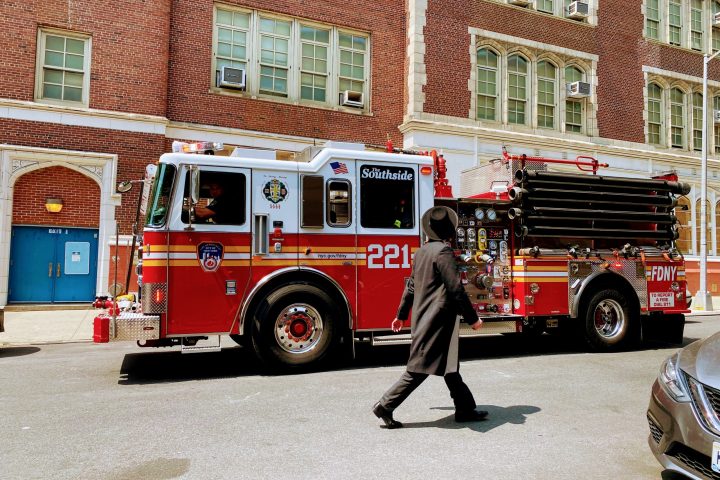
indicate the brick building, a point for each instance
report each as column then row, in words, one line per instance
column 94, row 91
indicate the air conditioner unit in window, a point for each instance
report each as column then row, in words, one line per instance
column 716, row 20
column 578, row 10
column 229, row 77
column 716, row 116
column 578, row 90
column 520, row 3
column 348, row 98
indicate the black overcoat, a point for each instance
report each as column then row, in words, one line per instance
column 436, row 295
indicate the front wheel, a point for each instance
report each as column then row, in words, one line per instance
column 610, row 324
column 295, row 326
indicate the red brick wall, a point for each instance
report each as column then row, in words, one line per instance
column 129, row 49
column 80, row 196
column 617, row 40
column 191, row 56
column 134, row 150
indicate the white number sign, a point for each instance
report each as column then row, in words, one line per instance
column 388, row 256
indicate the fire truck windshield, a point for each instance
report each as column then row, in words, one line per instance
column 160, row 195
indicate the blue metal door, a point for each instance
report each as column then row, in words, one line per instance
column 52, row 264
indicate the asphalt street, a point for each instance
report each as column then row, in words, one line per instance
column 114, row 411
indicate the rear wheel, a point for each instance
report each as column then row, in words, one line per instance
column 295, row 326
column 610, row 323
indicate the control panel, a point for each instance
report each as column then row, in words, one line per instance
column 483, row 252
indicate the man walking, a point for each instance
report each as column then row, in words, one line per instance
column 436, row 295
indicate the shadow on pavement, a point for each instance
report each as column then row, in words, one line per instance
column 6, row 352
column 172, row 366
column 670, row 475
column 497, row 416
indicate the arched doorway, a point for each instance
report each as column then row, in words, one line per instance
column 54, row 254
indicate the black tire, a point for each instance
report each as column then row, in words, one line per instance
column 611, row 324
column 295, row 326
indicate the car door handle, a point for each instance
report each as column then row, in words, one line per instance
column 50, row 270
column 58, row 270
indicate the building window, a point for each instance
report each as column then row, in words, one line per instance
column 314, row 43
column 715, row 31
column 652, row 19
column 708, row 223
column 63, row 68
column 573, row 107
column 545, row 6
column 546, row 94
column 675, row 21
column 353, row 54
column 682, row 212
column 696, row 25
column 517, row 89
column 487, row 84
column 697, row 100
column 655, row 110
column 716, row 125
column 677, row 118
column 292, row 59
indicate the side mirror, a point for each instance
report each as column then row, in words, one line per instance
column 194, row 185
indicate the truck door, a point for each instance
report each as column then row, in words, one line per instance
column 209, row 258
column 389, row 234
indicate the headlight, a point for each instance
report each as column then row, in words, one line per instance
column 670, row 379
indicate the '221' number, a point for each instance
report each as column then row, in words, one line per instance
column 388, row 256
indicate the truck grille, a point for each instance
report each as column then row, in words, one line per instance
column 706, row 403
column 693, row 459
column 655, row 429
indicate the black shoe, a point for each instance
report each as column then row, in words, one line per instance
column 386, row 416
column 470, row 416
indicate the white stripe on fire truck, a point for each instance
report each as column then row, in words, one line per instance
column 540, row 274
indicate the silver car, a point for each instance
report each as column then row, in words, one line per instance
column 684, row 411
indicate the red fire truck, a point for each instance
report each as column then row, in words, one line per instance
column 303, row 257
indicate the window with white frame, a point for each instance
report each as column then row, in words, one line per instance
column 684, row 23
column 487, row 84
column 716, row 126
column 652, row 19
column 517, row 89
column 293, row 59
column 63, row 68
column 655, row 114
column 573, row 107
column 546, row 78
column 674, row 117
column 697, row 101
column 696, row 25
column 677, row 118
column 675, row 22
column 555, row 7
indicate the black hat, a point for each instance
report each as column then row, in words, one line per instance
column 439, row 223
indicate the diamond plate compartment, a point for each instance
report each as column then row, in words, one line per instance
column 136, row 326
column 149, row 291
column 632, row 270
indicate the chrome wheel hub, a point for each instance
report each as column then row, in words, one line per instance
column 298, row 328
column 609, row 318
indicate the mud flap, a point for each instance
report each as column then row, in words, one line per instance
column 663, row 328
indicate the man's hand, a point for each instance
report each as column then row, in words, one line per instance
column 477, row 325
column 397, row 325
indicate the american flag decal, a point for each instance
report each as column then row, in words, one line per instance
column 338, row 167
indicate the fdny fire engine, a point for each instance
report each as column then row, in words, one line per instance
column 298, row 258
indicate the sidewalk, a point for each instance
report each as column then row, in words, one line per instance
column 48, row 326
column 64, row 326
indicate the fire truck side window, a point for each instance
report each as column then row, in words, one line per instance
column 312, row 201
column 338, row 200
column 387, row 197
column 222, row 198
column 160, row 196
